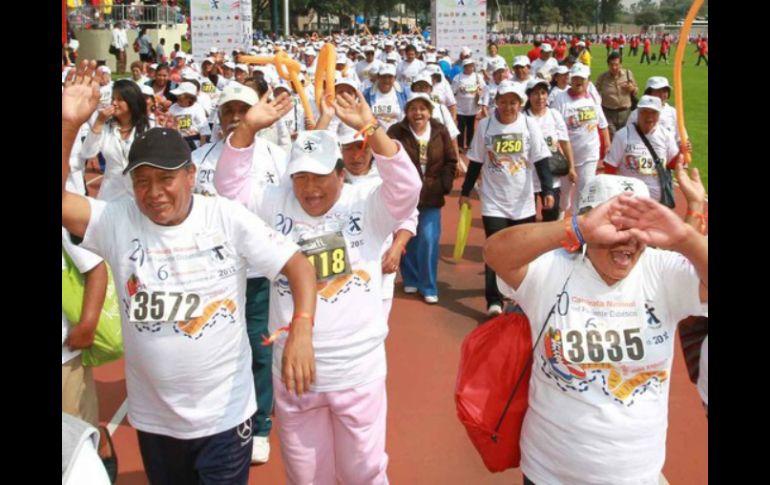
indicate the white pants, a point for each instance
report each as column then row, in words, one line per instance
column 571, row 194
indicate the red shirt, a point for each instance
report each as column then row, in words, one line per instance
column 615, row 44
column 534, row 54
column 703, row 48
column 574, row 42
column 647, row 45
column 560, row 52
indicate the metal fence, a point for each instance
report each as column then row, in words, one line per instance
column 132, row 16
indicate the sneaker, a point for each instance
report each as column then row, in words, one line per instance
column 494, row 310
column 410, row 290
column 431, row 299
column 260, row 452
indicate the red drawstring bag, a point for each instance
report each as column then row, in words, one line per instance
column 492, row 388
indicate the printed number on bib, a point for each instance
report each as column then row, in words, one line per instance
column 328, row 254
column 591, row 346
column 587, row 113
column 164, row 306
column 184, row 122
column 208, row 88
column 647, row 166
column 507, row 144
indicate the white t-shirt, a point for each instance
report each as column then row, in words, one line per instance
column 386, row 108
column 294, row 120
column 115, row 150
column 554, row 130
column 192, row 117
column 182, row 292
column 555, row 91
column 602, row 420
column 507, row 190
column 407, row 71
column 667, row 120
column 363, row 68
column 539, row 64
column 629, row 153
column 490, row 62
column 465, row 88
column 442, row 115
column 442, row 93
column 85, row 261
column 422, row 142
column 350, row 327
column 488, row 96
column 583, row 117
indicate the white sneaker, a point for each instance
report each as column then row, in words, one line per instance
column 431, row 299
column 494, row 310
column 410, row 289
column 260, row 453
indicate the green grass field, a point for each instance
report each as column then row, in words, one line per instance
column 696, row 88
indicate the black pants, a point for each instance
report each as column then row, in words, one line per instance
column 491, row 226
column 662, row 57
column 633, row 51
column 701, row 56
column 223, row 458
column 466, row 126
column 645, row 55
column 551, row 214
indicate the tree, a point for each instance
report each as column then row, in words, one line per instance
column 608, row 12
column 647, row 17
column 258, row 7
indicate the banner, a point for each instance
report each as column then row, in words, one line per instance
column 225, row 24
column 460, row 23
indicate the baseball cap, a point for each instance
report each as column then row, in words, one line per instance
column 423, row 77
column 208, row 59
column 533, row 83
column 309, row 51
column 314, row 151
column 468, row 61
column 580, row 70
column 507, row 87
column 433, row 69
column 415, row 97
column 346, row 81
column 188, row 73
column 521, row 61
column 185, row 88
column 229, row 65
column 238, row 92
column 104, row 69
column 387, row 70
column 497, row 65
column 650, row 102
column 559, row 70
column 546, row 48
column 465, row 51
column 147, row 90
column 393, row 56
column 162, row 148
column 214, row 50
column 348, row 135
column 657, row 82
column 581, row 44
column 604, row 187
column 242, row 67
column 153, row 66
column 368, row 48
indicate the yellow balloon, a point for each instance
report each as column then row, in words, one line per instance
column 463, row 228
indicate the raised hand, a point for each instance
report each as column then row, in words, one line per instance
column 691, row 185
column 266, row 111
column 648, row 221
column 354, row 111
column 598, row 227
column 81, row 94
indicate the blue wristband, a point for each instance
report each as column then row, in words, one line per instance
column 576, row 229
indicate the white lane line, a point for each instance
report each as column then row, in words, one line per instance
column 119, row 415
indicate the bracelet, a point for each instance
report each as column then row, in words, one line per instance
column 572, row 243
column 576, row 229
column 302, row 315
column 701, row 217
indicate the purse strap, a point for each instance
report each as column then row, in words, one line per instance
column 658, row 161
column 556, row 307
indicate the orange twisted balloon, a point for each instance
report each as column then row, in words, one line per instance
column 678, row 60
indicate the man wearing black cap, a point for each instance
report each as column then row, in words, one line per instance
column 179, row 263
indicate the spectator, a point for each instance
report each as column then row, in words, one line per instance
column 119, row 45
column 617, row 88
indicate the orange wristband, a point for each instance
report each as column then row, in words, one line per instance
column 571, row 243
column 701, row 217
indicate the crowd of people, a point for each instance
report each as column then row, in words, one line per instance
column 254, row 246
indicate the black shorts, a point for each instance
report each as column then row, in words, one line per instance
column 145, row 57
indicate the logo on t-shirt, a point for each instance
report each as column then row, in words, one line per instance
column 355, row 224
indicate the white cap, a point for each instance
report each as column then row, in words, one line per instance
column 416, row 96
column 424, row 77
column 214, row 50
column 546, row 48
column 430, row 58
column 104, row 69
column 657, row 82
column 314, row 151
column 185, row 88
column 208, row 59
column 181, row 55
column 390, row 43
column 433, row 69
column 532, row 83
column 368, row 48
column 468, row 61
column 650, row 102
column 507, row 87
column 235, row 91
column 559, row 70
column 348, row 135
column 147, row 90
column 580, row 70
column 346, row 81
column 73, row 44
column 393, row 56
column 341, row 58
column 581, row 44
column 153, row 66
column 497, row 65
column 604, row 187
column 521, row 61
column 229, row 65
column 188, row 73
column 242, row 67
column 387, row 70
column 309, row 51
column 465, row 51
column 281, row 84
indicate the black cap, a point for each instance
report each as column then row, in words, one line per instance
column 162, row 148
